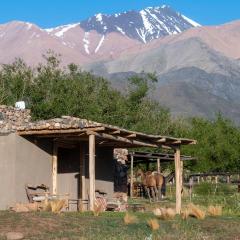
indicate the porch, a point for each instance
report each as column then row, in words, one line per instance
column 95, row 143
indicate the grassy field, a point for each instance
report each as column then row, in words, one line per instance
column 109, row 225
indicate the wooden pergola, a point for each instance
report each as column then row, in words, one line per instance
column 138, row 157
column 69, row 130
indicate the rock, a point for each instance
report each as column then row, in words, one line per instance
column 12, row 118
column 57, row 125
column 14, row 236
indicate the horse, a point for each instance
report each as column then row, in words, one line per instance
column 152, row 182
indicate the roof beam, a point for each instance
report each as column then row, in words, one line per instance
column 162, row 140
column 121, row 139
column 115, row 132
column 58, row 131
column 133, row 135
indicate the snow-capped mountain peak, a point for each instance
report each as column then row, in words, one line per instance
column 145, row 25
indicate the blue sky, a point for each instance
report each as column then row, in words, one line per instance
column 50, row 13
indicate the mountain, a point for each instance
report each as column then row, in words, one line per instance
column 198, row 67
column 207, row 80
column 144, row 26
column 101, row 37
column 28, row 41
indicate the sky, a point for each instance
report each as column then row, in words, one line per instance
column 52, row 13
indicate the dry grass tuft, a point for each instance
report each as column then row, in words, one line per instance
column 164, row 213
column 195, row 211
column 215, row 211
column 129, row 218
column 54, row 206
column 157, row 212
column 46, row 206
column 97, row 210
column 153, row 224
column 57, row 205
column 185, row 214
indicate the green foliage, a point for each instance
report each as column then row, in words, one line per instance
column 214, row 189
column 218, row 145
column 52, row 91
column 14, row 82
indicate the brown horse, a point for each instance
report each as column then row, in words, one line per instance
column 152, row 182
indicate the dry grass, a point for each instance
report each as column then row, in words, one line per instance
column 153, row 224
column 54, row 206
column 157, row 212
column 25, row 207
column 164, row 213
column 185, row 214
column 215, row 211
column 130, row 219
column 97, row 210
column 196, row 211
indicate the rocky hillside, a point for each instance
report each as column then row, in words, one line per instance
column 193, row 78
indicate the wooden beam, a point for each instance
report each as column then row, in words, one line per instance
column 121, row 139
column 102, row 142
column 177, row 179
column 59, row 131
column 63, row 135
column 131, row 177
column 54, row 168
column 176, row 142
column 91, row 171
column 133, row 135
column 162, row 140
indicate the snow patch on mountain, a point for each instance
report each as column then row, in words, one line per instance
column 86, row 42
column 120, row 30
column 99, row 17
column 147, row 24
column 61, row 30
column 99, row 44
column 195, row 24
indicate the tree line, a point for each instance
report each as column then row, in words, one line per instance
column 52, row 91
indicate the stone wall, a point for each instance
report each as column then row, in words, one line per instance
column 11, row 118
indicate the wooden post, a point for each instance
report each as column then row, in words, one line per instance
column 54, row 168
column 82, row 178
column 177, row 161
column 228, row 178
column 181, row 175
column 158, row 166
column 216, row 179
column 91, row 171
column 131, row 178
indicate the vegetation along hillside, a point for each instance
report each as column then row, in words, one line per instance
column 52, row 91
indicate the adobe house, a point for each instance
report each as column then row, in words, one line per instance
column 70, row 155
